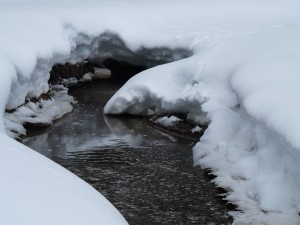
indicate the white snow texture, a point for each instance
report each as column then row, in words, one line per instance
column 243, row 75
column 167, row 121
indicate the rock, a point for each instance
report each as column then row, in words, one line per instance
column 29, row 125
column 87, row 77
column 178, row 124
column 101, row 73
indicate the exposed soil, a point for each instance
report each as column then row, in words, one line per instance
column 61, row 72
column 121, row 70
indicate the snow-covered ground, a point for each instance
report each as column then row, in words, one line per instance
column 243, row 75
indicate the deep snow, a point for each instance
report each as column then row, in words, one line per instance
column 35, row 190
column 243, row 76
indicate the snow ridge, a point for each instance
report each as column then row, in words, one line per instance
column 247, row 86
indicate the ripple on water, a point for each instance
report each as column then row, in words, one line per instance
column 153, row 184
column 147, row 175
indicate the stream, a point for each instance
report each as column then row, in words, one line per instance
column 146, row 174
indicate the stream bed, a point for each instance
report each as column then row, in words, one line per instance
column 146, row 174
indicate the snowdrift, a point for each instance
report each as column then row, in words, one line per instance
column 243, row 76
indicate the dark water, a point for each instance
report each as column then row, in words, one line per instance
column 147, row 175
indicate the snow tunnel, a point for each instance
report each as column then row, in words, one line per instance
column 111, row 52
column 31, row 102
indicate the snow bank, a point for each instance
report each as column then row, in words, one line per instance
column 242, row 76
column 36, row 191
column 41, row 113
column 246, row 81
column 167, row 121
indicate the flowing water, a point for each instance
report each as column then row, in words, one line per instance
column 147, row 175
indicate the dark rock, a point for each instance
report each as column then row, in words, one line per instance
column 181, row 129
column 61, row 72
column 29, row 126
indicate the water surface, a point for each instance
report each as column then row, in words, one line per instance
column 147, row 175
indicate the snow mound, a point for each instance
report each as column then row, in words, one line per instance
column 167, row 121
column 247, row 84
column 35, row 190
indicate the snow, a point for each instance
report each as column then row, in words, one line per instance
column 101, row 73
column 196, row 129
column 87, row 77
column 35, row 190
column 167, row 121
column 69, row 82
column 41, row 113
column 242, row 79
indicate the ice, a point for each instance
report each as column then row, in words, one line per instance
column 242, row 79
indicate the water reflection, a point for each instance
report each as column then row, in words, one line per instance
column 74, row 134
